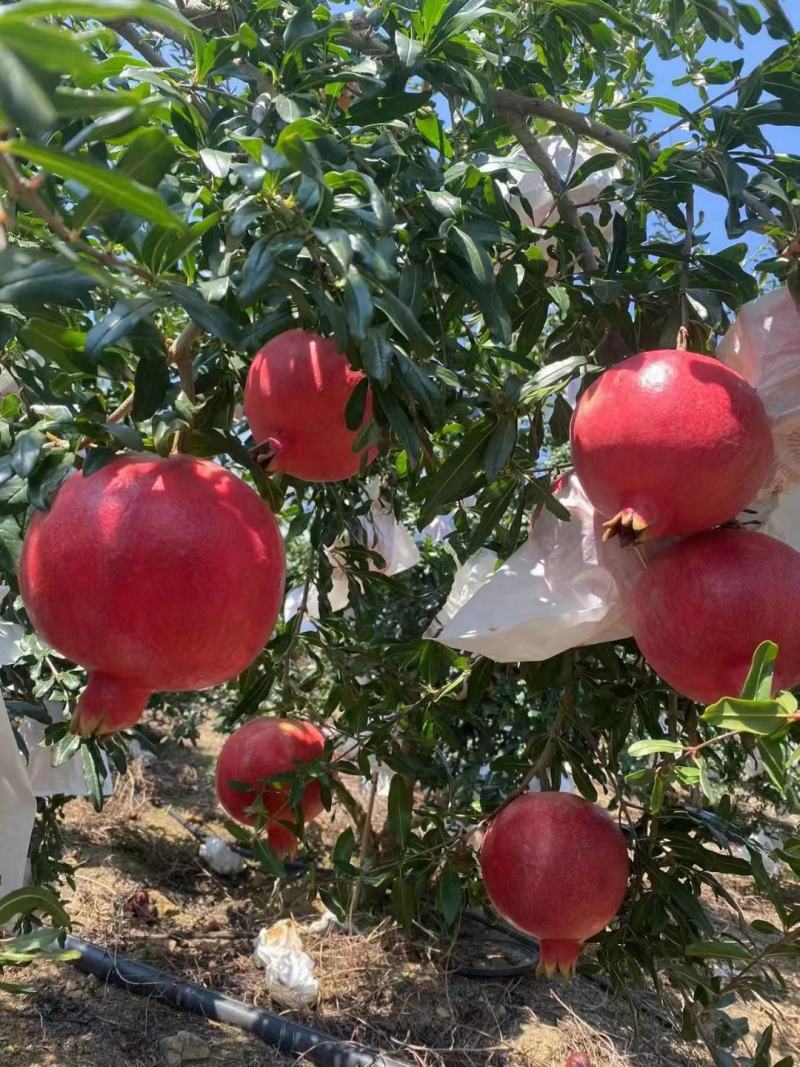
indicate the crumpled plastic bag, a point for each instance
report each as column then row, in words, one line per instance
column 535, row 190
column 288, row 970
column 564, row 588
column 220, row 857
column 561, row 589
column 47, row 780
column 763, row 345
column 11, row 633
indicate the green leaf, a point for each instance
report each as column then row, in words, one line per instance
column 91, row 774
column 749, row 716
column 26, row 452
column 405, row 321
column 216, row 162
column 500, row 446
column 408, row 50
column 150, row 386
column 479, row 262
column 343, row 850
column 443, row 487
column 372, row 110
column 261, row 263
column 65, row 749
column 401, row 799
column 23, row 97
column 120, row 321
column 758, row 684
column 28, row 277
column 649, row 747
column 717, row 950
column 358, row 304
column 356, row 404
column 110, row 185
column 450, row 895
column 268, row 860
column 32, row 899
column 208, row 317
column 145, row 161
column 102, row 10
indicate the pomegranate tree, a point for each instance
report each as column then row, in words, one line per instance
column 154, row 574
column 704, row 605
column 555, row 866
column 253, row 755
column 669, row 443
column 295, row 399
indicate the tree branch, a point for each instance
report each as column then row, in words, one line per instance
column 518, row 125
column 130, row 34
column 510, row 103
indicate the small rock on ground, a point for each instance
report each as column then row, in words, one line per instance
column 185, row 1048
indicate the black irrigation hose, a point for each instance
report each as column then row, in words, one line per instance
column 293, row 1039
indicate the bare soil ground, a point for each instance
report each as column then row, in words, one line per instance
column 384, row 988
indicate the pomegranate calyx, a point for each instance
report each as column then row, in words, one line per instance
column 558, row 957
column 628, row 525
column 266, row 453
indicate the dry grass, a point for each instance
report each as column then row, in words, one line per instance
column 383, row 988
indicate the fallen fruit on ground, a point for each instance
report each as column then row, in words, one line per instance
column 255, row 753
column 669, row 443
column 556, row 867
column 295, row 399
column 704, row 605
column 154, row 574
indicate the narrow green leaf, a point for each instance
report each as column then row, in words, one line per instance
column 120, row 321
column 405, row 321
column 124, row 193
column 444, row 486
column 649, row 747
column 500, row 446
column 450, row 895
column 356, row 404
column 762, row 717
column 717, row 950
column 400, row 803
column 758, row 684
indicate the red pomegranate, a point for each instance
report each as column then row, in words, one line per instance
column 704, row 605
column 556, row 867
column 669, row 443
column 154, row 574
column 295, row 399
column 578, row 1059
column 255, row 753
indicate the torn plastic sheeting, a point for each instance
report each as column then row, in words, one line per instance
column 561, row 589
column 220, row 857
column 46, row 779
column 763, row 345
column 288, row 969
column 17, row 809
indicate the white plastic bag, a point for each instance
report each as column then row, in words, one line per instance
column 566, row 160
column 17, row 809
column 288, row 970
column 561, row 589
column 220, row 857
column 47, row 780
column 763, row 345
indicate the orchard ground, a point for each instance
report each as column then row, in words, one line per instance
column 385, row 988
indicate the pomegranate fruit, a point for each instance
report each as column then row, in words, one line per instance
column 703, row 606
column 297, row 390
column 555, row 866
column 669, row 443
column 578, row 1059
column 257, row 752
column 154, row 574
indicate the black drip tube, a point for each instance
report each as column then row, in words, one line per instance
column 293, row 1039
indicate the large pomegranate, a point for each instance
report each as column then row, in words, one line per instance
column 154, row 574
column 295, row 399
column 704, row 605
column 556, row 867
column 255, row 753
column 669, row 443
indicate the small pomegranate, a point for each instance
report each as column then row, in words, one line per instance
column 555, row 866
column 154, row 574
column 578, row 1059
column 295, row 398
column 257, row 752
column 703, row 606
column 669, row 443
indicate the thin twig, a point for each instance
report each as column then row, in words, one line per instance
column 25, row 191
column 682, row 342
column 366, row 840
column 123, row 411
column 518, row 125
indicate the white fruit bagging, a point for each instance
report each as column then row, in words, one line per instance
column 564, row 588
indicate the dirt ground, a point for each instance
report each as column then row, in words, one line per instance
column 383, row 988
